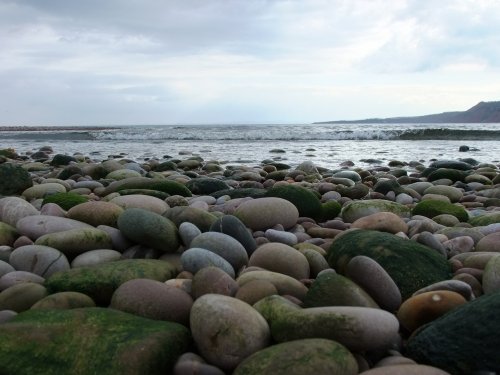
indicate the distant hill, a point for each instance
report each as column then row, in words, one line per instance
column 483, row 112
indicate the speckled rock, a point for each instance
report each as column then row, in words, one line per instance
column 264, row 213
column 153, row 300
column 307, row 356
column 41, row 260
column 149, row 229
column 234, row 332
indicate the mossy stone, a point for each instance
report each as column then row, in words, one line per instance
column 13, row 179
column 89, row 341
column 64, row 301
column 411, row 265
column 333, row 289
column 305, row 200
column 447, row 173
column 486, row 219
column 201, row 218
column 451, row 164
column 354, row 210
column 8, row 234
column 308, row 356
column 73, row 242
column 432, row 207
column 464, row 341
column 65, row 200
column 330, row 210
column 101, row 280
column 160, row 184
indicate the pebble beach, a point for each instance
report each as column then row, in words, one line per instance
column 187, row 265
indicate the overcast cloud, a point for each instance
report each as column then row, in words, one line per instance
column 94, row 62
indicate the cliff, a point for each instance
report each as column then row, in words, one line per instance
column 483, row 112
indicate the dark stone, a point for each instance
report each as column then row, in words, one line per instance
column 234, row 227
column 206, row 185
column 13, row 179
column 463, row 148
column 60, row 159
column 451, row 164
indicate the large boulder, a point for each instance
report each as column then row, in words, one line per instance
column 464, row 341
column 13, row 179
column 100, row 281
column 411, row 265
column 89, row 341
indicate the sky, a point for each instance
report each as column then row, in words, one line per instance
column 119, row 62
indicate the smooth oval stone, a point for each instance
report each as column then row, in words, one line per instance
column 64, row 301
column 21, row 297
column 332, row 289
column 92, row 257
column 357, row 328
column 213, row 280
column 429, row 240
column 194, row 259
column 12, row 209
column 96, row 213
column 405, row 369
column 426, row 307
column 119, row 241
column 264, row 213
column 188, row 232
column 234, row 227
column 317, row 262
column 37, row 226
column 76, row 241
column 375, row 280
column 253, row 291
column 153, row 300
column 233, row 332
column 223, row 245
column 5, row 268
column 458, row 245
column 145, row 202
column 202, row 219
column 121, row 174
column 19, row 277
column 351, row 175
column 307, row 356
column 286, row 285
column 456, row 286
column 453, row 193
column 355, row 210
column 191, row 363
column 490, row 242
column 149, row 229
column 52, row 209
column 281, row 258
column 40, row 191
column 40, row 260
column 6, row 315
column 491, row 276
column 283, row 237
column 383, row 222
column 8, row 234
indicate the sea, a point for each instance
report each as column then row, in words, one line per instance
column 326, row 145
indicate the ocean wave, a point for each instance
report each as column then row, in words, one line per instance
column 258, row 133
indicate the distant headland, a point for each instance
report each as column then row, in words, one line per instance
column 483, row 112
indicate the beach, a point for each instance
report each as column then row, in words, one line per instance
column 302, row 251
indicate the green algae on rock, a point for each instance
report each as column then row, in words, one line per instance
column 354, row 210
column 305, row 200
column 463, row 341
column 431, row 208
column 357, row 328
column 13, row 179
column 89, row 341
column 411, row 265
column 307, row 356
column 100, row 281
